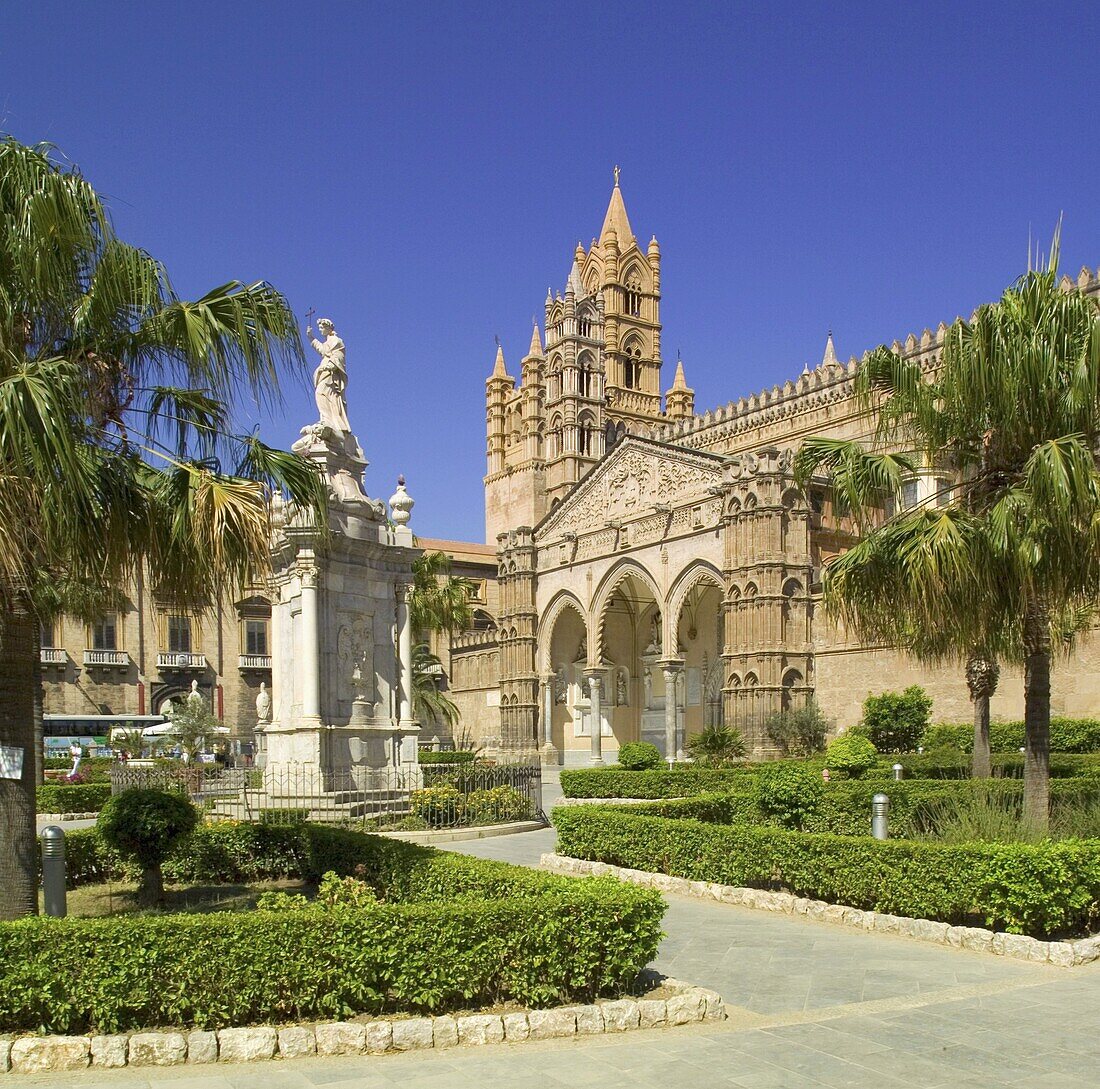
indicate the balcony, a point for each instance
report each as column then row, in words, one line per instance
column 106, row 659
column 181, row 660
column 53, row 656
column 256, row 661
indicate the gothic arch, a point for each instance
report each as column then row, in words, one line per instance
column 610, row 583
column 697, row 571
column 561, row 601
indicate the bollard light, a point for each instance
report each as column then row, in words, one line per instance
column 898, row 771
column 880, row 816
column 53, row 871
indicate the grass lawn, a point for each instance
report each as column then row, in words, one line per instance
column 117, row 898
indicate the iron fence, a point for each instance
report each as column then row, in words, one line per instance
column 410, row 798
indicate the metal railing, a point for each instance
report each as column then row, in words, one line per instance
column 408, row 798
column 106, row 658
column 180, row 660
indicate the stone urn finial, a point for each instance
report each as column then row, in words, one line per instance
column 401, row 504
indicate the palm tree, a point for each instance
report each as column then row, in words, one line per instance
column 115, row 445
column 429, row 703
column 440, row 601
column 1012, row 410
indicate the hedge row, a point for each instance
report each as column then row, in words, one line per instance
column 448, row 756
column 844, row 808
column 1078, row 735
column 453, row 932
column 1044, row 890
column 72, row 798
column 685, row 780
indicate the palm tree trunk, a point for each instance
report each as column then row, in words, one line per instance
column 1037, row 714
column 982, row 675
column 39, row 702
column 18, row 841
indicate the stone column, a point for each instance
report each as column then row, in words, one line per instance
column 595, row 679
column 404, row 653
column 310, row 646
column 548, row 751
column 671, row 669
column 681, row 714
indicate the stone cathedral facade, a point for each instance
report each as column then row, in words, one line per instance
column 658, row 568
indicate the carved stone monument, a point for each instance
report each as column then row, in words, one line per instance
column 341, row 637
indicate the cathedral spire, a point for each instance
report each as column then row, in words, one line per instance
column 616, row 217
column 679, row 381
column 499, row 369
column 536, row 343
column 829, row 358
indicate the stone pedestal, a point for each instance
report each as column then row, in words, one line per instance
column 341, row 648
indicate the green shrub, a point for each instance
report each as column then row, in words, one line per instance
column 441, row 805
column 94, row 769
column 800, row 731
column 788, row 794
column 639, row 756
column 851, row 755
column 717, row 746
column 1043, row 889
column 674, row 782
column 78, row 798
column 896, row 721
column 496, row 805
column 279, row 815
column 448, row 756
column 144, row 826
column 1067, row 735
column 453, row 933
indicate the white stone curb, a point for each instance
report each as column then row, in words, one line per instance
column 68, row 816
column 48, row 1054
column 1061, row 954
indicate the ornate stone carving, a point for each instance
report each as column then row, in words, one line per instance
column 355, row 652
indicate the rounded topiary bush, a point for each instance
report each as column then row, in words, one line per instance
column 144, row 826
column 851, row 754
column 788, row 794
column 639, row 756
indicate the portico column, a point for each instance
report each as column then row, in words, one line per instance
column 404, row 654
column 681, row 714
column 671, row 669
column 547, row 711
column 595, row 679
column 311, row 646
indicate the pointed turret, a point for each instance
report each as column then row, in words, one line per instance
column 829, row 359
column 499, row 369
column 616, row 218
column 535, row 351
column 680, row 400
column 574, row 282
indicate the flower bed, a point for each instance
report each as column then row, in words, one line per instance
column 1042, row 890
column 451, row 932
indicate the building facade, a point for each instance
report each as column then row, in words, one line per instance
column 659, row 569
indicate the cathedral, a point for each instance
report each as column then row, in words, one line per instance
column 658, row 570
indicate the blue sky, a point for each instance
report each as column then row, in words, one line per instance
column 422, row 172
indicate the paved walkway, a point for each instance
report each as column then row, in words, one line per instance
column 810, row 1005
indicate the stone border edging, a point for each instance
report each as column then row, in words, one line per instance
column 48, row 1054
column 1061, row 954
column 67, row 816
column 457, row 835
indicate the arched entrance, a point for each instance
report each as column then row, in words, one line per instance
column 563, row 647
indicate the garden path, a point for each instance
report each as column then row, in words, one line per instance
column 811, row 1004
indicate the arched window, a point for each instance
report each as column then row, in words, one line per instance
column 584, row 323
column 632, row 365
column 586, row 446
column 586, row 382
column 553, row 439
column 633, row 294
column 553, row 378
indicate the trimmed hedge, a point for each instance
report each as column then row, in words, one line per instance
column 678, row 782
column 72, row 798
column 1043, row 890
column 948, row 765
column 1070, row 735
column 448, row 756
column 453, row 932
column 844, row 808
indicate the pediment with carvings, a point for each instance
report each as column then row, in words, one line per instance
column 636, row 476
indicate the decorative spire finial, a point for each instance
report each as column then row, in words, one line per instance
column 616, row 176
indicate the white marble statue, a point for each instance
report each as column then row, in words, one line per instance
column 263, row 705
column 194, row 697
column 330, row 380
column 622, row 697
